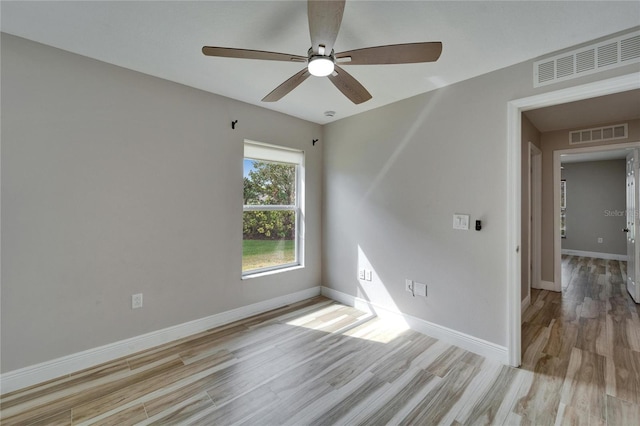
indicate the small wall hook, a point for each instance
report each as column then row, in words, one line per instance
column 314, row 142
column 233, row 124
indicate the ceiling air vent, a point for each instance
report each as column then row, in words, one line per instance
column 598, row 134
column 612, row 53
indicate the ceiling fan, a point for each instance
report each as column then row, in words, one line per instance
column 324, row 23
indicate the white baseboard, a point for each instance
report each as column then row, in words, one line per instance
column 546, row 285
column 343, row 298
column 525, row 303
column 596, row 255
column 457, row 338
column 31, row 375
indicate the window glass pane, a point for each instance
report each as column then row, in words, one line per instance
column 268, row 239
column 269, row 183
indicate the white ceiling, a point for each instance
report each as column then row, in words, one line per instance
column 164, row 39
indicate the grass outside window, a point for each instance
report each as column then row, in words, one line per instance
column 259, row 254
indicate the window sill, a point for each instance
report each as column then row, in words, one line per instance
column 271, row 272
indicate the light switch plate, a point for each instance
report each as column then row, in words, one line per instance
column 461, row 221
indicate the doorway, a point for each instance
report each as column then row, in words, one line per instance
column 514, row 195
column 614, row 151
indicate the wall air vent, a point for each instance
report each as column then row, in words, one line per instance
column 599, row 134
column 612, row 53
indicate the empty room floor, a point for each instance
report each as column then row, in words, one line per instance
column 318, row 362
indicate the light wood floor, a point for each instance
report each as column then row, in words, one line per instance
column 321, row 363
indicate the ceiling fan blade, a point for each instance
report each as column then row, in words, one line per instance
column 409, row 53
column 349, row 86
column 228, row 52
column 286, row 87
column 325, row 18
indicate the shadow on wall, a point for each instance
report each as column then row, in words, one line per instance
column 408, row 137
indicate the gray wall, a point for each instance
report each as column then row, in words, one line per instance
column 394, row 177
column 593, row 189
column 114, row 183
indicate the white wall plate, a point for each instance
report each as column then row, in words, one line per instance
column 461, row 221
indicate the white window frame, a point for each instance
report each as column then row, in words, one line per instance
column 267, row 152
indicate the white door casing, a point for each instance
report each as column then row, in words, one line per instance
column 535, row 216
column 514, row 227
column 631, row 227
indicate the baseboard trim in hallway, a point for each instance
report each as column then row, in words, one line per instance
column 472, row 344
column 525, row 303
column 595, row 255
column 546, row 285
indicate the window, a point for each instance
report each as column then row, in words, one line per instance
column 272, row 218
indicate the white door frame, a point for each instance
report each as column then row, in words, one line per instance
column 514, row 182
column 535, row 220
column 632, row 245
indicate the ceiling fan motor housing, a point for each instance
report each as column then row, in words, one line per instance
column 321, row 65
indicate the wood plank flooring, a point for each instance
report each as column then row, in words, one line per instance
column 318, row 362
column 583, row 346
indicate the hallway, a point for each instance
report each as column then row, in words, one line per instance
column 585, row 345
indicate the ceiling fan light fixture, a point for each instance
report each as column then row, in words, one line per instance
column 320, row 66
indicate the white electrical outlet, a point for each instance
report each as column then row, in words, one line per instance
column 368, row 275
column 136, row 301
column 408, row 285
column 361, row 274
column 600, row 240
column 420, row 289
